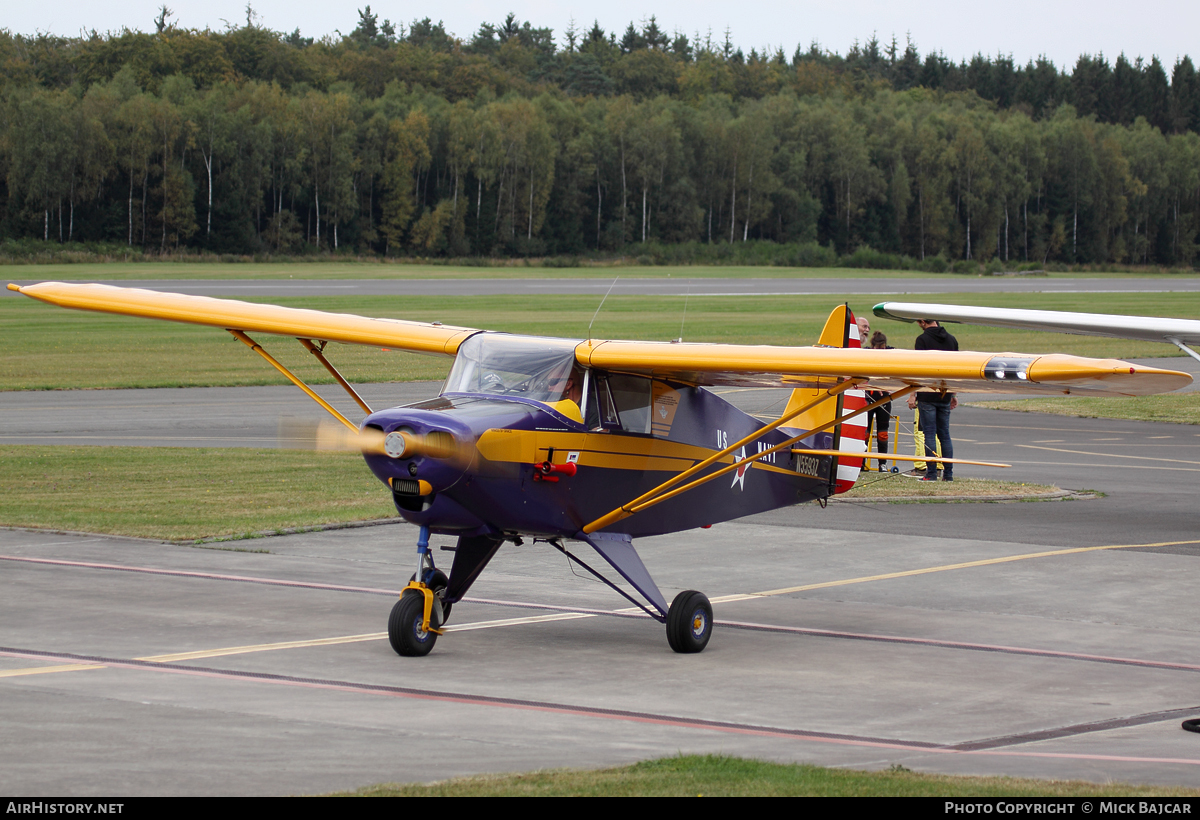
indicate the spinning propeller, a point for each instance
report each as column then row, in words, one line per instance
column 301, row 434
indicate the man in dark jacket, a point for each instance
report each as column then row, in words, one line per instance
column 935, row 407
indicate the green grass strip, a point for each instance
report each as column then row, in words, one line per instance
column 515, row 269
column 371, row 268
column 1176, row 408
column 720, row 776
column 184, row 493
column 884, row 486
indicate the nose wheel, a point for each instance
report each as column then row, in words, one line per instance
column 406, row 630
column 689, row 622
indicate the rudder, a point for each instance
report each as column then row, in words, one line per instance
column 840, row 331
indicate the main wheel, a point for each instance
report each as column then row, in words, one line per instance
column 689, row 622
column 404, row 626
column 436, row 580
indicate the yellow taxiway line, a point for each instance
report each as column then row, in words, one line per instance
column 42, row 670
column 1107, row 455
column 943, row 568
column 261, row 647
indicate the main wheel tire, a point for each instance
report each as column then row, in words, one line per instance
column 436, row 580
column 689, row 622
column 404, row 626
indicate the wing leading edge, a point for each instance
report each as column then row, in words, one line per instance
column 230, row 314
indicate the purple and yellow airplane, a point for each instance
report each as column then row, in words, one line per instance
column 599, row 442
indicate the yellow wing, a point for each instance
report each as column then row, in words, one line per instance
column 765, row 366
column 230, row 314
column 701, row 364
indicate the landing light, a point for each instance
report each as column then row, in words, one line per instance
column 1004, row 368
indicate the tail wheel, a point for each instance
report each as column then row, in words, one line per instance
column 689, row 622
column 404, row 626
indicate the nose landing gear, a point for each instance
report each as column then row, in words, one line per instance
column 415, row 622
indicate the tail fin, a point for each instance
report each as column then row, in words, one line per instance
column 840, row 331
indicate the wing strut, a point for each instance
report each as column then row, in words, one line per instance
column 257, row 348
column 319, row 352
column 1184, row 348
column 658, row 494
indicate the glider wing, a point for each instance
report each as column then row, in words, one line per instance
column 1179, row 332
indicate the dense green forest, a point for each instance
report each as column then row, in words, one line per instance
column 400, row 141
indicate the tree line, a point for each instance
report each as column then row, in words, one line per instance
column 404, row 141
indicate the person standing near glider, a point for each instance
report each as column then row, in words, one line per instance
column 881, row 416
column 934, row 408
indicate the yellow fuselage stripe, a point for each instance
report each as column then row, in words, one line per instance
column 627, row 453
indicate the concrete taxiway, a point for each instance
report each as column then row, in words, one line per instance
column 1054, row 639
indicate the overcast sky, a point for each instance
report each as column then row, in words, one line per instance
column 1023, row 28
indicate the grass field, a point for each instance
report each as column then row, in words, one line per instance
column 391, row 270
column 885, row 486
column 720, row 776
column 515, row 269
column 184, row 493
column 50, row 348
column 1176, row 408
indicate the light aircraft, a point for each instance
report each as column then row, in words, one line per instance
column 1179, row 332
column 599, row 441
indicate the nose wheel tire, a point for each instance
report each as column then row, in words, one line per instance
column 404, row 626
column 689, row 622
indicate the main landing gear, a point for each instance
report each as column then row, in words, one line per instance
column 424, row 605
column 689, row 622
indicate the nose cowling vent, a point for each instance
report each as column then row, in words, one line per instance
column 406, row 486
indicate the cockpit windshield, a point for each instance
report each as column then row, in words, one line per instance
column 527, row 367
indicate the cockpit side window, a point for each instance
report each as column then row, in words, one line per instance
column 632, row 396
column 601, row 410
